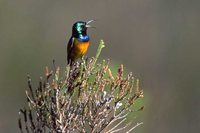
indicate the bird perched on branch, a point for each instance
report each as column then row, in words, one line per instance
column 79, row 41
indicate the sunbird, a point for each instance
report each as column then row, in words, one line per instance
column 79, row 41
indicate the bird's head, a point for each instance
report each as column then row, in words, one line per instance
column 80, row 27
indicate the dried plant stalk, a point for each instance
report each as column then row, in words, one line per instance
column 87, row 97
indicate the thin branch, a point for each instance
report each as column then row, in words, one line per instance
column 138, row 124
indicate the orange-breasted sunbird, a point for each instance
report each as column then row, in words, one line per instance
column 79, row 41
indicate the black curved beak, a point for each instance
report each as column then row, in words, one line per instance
column 88, row 22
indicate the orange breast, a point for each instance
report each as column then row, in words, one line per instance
column 83, row 46
column 80, row 48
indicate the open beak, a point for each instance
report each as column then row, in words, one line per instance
column 88, row 22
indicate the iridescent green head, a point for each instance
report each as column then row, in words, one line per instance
column 80, row 28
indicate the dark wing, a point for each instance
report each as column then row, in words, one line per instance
column 69, row 50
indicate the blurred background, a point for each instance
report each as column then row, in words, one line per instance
column 158, row 40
